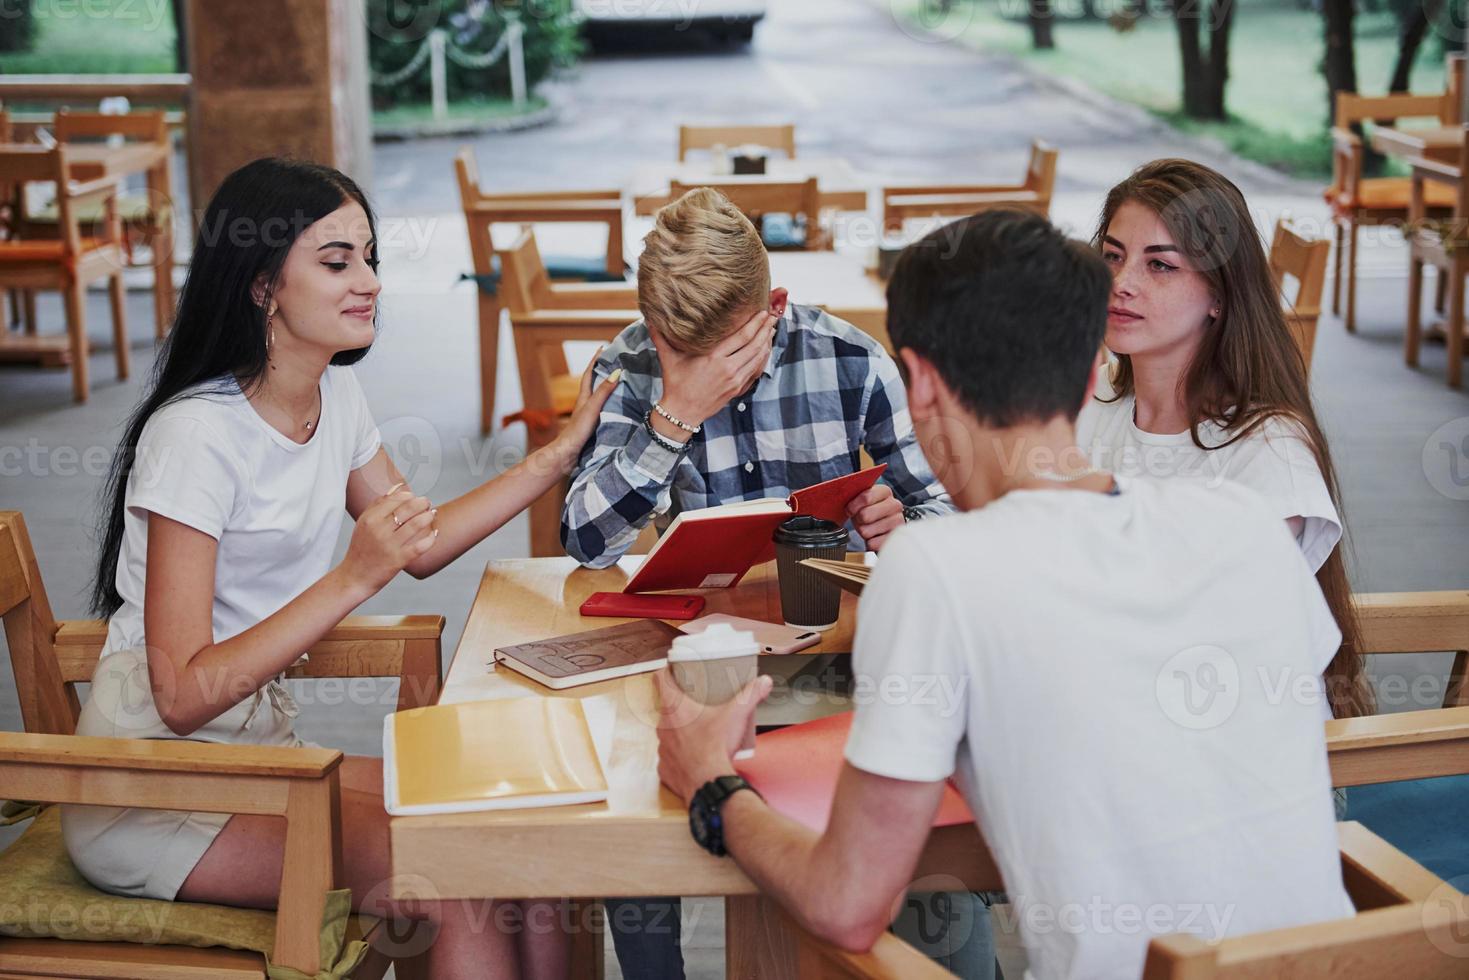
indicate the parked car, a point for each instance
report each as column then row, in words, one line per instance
column 730, row 21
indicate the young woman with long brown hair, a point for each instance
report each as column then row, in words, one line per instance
column 1208, row 382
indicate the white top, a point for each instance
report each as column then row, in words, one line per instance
column 275, row 506
column 1275, row 461
column 1129, row 699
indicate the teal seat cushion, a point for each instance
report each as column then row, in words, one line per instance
column 557, row 267
column 1426, row 819
column 780, row 230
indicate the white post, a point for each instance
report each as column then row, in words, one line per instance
column 438, row 73
column 517, row 61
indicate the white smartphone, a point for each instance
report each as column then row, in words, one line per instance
column 772, row 637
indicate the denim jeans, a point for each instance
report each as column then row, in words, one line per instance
column 953, row 929
column 645, row 933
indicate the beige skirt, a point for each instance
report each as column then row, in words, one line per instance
column 149, row 853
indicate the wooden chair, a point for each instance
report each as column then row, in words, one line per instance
column 958, row 200
column 22, row 301
column 146, row 218
column 757, row 197
column 781, row 137
column 1357, row 201
column 1408, row 923
column 67, row 262
column 544, row 317
column 51, row 764
column 1304, row 260
column 483, row 210
column 1444, row 244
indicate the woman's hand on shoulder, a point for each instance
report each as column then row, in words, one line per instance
column 390, row 533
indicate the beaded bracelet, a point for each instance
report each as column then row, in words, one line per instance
column 667, row 444
column 692, row 430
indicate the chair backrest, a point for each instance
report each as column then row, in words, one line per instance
column 756, row 196
column 782, row 137
column 24, row 163
column 1408, row 923
column 143, row 127
column 48, row 705
column 524, row 281
column 1304, row 260
column 1040, row 172
column 1353, row 108
column 481, row 242
column 1454, row 109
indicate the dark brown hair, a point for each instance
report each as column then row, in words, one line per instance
column 1247, row 369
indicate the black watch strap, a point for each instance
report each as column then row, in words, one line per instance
column 706, row 811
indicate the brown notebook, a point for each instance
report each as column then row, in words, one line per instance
column 596, row 655
column 848, row 574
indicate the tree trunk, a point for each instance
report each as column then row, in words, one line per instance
column 1341, row 60
column 181, row 36
column 1041, row 21
column 1194, row 103
column 1221, row 19
column 1415, row 25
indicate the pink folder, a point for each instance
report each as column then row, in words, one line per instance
column 796, row 770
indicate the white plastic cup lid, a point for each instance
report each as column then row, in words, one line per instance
column 717, row 642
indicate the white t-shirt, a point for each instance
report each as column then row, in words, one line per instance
column 1128, row 698
column 1275, row 461
column 275, row 506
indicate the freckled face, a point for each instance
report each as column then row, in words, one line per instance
column 1160, row 303
column 328, row 287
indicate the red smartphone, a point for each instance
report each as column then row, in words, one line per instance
column 643, row 606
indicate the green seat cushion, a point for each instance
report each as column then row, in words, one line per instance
column 130, row 208
column 43, row 896
column 557, row 267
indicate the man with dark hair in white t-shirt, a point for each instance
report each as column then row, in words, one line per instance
column 1115, row 685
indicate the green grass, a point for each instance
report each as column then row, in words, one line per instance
column 474, row 110
column 1276, row 95
column 98, row 36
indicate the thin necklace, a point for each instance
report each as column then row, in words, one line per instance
column 1055, row 477
column 309, row 425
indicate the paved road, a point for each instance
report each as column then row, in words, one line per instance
column 855, row 83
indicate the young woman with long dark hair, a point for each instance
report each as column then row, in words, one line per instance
column 1208, row 382
column 221, row 518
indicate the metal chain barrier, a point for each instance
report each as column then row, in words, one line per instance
column 437, row 46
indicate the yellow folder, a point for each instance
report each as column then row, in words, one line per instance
column 489, row 755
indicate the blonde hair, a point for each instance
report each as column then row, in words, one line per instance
column 703, row 264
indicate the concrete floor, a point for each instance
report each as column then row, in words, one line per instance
column 857, row 86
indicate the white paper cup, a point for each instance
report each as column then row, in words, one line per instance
column 715, row 665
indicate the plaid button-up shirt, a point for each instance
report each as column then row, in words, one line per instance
column 827, row 390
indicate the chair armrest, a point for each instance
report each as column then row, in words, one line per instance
column 1397, row 747
column 596, row 194
column 889, row 958
column 930, row 189
column 300, row 785
column 592, row 296
column 1378, row 874
column 551, row 319
column 1344, row 139
column 78, row 189
column 1434, row 170
column 1413, row 622
column 406, row 647
column 547, row 210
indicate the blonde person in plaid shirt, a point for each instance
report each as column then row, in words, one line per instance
column 731, row 393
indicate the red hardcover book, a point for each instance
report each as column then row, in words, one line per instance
column 796, row 769
column 713, row 548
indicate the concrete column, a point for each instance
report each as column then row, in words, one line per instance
column 277, row 78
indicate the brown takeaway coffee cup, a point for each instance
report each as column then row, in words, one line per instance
column 806, row 598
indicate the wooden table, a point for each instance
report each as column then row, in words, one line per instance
column 1441, row 143
column 88, row 161
column 841, row 188
column 839, row 284
column 638, row 843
